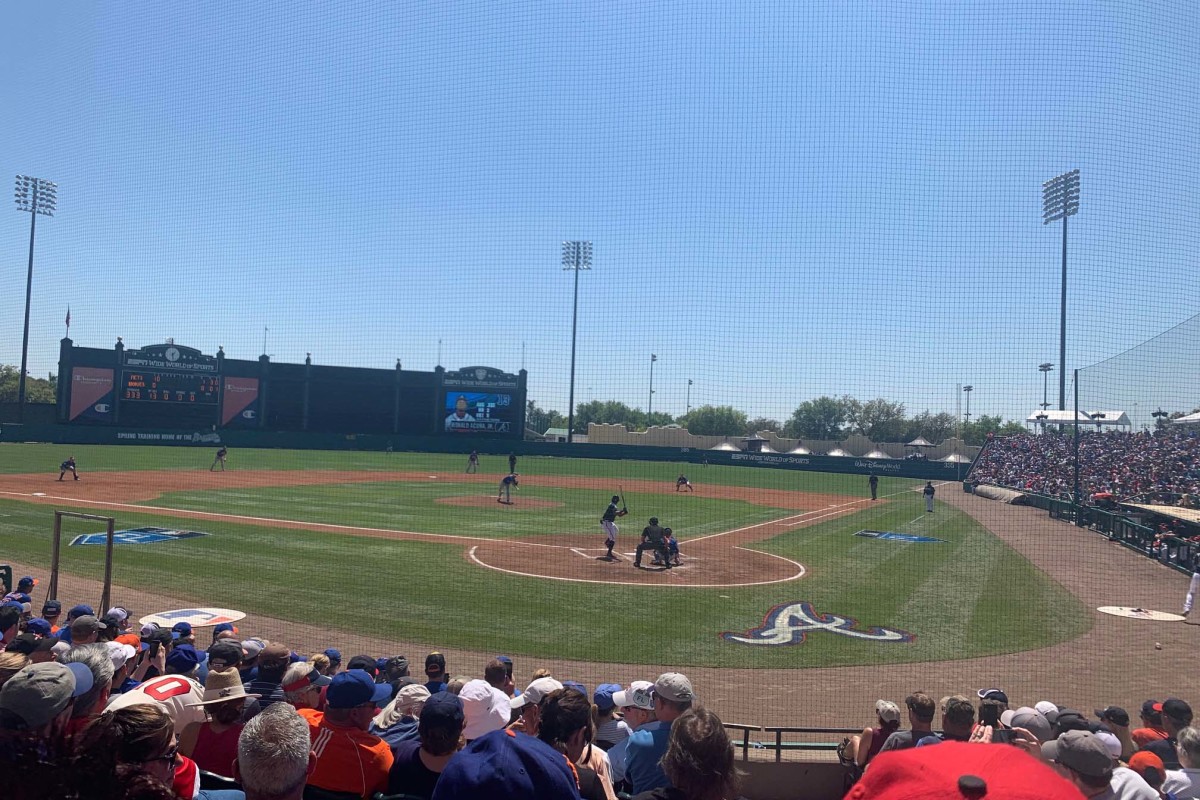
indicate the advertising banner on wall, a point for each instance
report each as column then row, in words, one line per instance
column 91, row 394
column 239, row 403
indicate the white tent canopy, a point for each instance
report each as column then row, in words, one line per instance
column 1097, row 418
column 1190, row 419
column 920, row 441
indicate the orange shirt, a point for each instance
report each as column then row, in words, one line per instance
column 348, row 759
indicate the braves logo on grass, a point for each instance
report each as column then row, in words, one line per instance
column 790, row 623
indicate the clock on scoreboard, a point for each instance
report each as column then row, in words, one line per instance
column 170, row 387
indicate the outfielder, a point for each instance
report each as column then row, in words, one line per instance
column 608, row 523
column 68, row 466
column 506, row 487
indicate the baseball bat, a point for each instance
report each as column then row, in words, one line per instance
column 623, row 506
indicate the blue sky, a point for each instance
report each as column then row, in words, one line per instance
column 785, row 200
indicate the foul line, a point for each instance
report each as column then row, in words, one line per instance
column 800, row 574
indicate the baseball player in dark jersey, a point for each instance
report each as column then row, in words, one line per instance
column 683, row 483
column 652, row 539
column 222, row 454
column 68, row 466
column 873, row 482
column 506, row 487
column 928, row 491
column 512, row 462
column 473, row 462
column 608, row 523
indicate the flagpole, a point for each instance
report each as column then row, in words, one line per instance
column 68, row 335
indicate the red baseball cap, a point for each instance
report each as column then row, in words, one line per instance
column 961, row 771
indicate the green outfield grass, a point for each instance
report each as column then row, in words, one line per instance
column 966, row 597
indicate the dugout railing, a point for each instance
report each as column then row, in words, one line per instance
column 1169, row 550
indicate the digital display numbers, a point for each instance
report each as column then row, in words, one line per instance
column 171, row 387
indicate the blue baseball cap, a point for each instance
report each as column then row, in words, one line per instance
column 39, row 626
column 603, row 698
column 505, row 765
column 28, row 580
column 443, row 710
column 224, row 626
column 381, row 663
column 180, row 629
column 335, row 655
column 575, row 685
column 356, row 687
column 182, row 659
column 81, row 611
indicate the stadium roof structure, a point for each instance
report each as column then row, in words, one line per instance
column 837, row 452
column 800, row 450
column 1190, row 419
column 956, row 458
column 727, row 446
column 1175, row 512
column 1097, row 418
column 876, row 454
column 920, row 441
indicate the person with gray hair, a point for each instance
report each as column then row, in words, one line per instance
column 274, row 757
column 1185, row 783
column 89, row 705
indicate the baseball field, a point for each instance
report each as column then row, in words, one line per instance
column 779, row 569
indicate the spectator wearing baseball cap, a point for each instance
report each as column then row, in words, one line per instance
column 10, row 621
column 85, row 629
column 123, row 659
column 1152, row 726
column 435, row 671
column 864, row 746
column 223, row 630
column 36, row 703
column 80, row 610
column 273, row 661
column 637, row 706
column 961, row 771
column 486, row 708
column 1185, row 781
column 1150, row 767
column 1029, row 719
column 349, row 758
column 1086, row 761
column 397, row 722
column 610, row 729
column 529, row 704
column 335, row 660
column 673, row 696
column 225, row 654
column 921, row 708
column 505, row 765
column 1116, row 719
column 368, row 664
column 1176, row 715
column 51, row 611
column 249, row 666
column 419, row 763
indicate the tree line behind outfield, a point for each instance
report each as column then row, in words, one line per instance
column 37, row 390
column 825, row 418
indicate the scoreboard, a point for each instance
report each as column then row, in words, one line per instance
column 170, row 387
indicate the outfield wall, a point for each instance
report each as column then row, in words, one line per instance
column 696, row 459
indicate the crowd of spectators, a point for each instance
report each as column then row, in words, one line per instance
column 99, row 707
column 1160, row 467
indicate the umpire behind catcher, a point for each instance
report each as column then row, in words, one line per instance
column 652, row 539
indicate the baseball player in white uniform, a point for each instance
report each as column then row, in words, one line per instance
column 1193, row 590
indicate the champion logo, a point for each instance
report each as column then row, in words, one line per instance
column 790, row 623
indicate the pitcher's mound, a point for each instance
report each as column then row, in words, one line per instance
column 476, row 501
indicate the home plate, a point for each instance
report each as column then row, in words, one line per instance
column 1140, row 613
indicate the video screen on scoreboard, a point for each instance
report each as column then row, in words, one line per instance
column 170, row 387
column 479, row 412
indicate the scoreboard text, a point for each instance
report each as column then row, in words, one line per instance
column 170, row 387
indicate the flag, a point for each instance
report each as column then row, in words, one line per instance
column 68, row 316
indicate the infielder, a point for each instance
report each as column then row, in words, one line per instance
column 68, row 466
column 873, row 482
column 683, row 483
column 506, row 487
column 1193, row 590
column 473, row 462
column 222, row 454
column 928, row 492
column 608, row 523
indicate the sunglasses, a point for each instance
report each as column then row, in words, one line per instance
column 168, row 756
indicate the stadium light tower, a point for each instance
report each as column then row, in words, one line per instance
column 650, row 403
column 1060, row 199
column 37, row 197
column 1045, row 370
column 968, row 389
column 689, row 396
column 576, row 256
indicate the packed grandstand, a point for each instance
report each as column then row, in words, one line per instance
column 241, row 717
